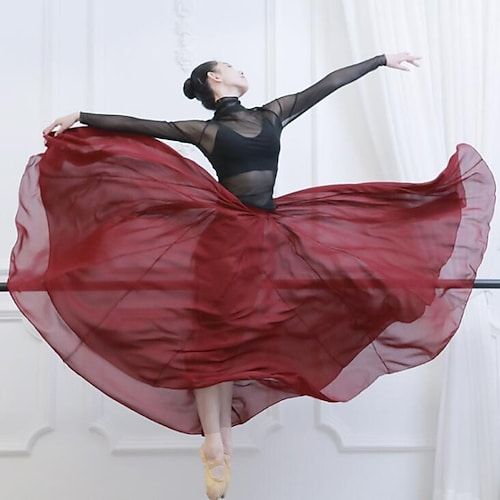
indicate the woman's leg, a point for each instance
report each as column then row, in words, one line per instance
column 226, row 399
column 208, row 405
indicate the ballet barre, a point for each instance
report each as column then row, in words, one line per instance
column 478, row 283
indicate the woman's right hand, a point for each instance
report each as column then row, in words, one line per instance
column 64, row 122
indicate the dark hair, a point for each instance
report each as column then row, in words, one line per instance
column 196, row 86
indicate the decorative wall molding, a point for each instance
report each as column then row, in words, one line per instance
column 185, row 53
column 44, row 384
column 349, row 439
column 186, row 41
column 352, row 440
column 129, row 439
column 42, row 420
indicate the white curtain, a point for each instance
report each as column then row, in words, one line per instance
column 467, row 461
column 415, row 120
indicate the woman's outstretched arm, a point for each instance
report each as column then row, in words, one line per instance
column 190, row 131
column 291, row 106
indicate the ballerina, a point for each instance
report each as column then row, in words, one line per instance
column 243, row 145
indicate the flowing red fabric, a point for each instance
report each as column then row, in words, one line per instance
column 149, row 278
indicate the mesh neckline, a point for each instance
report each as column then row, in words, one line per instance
column 226, row 105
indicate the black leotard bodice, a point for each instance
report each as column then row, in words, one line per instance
column 242, row 144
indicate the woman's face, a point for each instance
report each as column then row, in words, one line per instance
column 231, row 77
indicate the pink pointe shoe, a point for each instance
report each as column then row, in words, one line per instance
column 215, row 485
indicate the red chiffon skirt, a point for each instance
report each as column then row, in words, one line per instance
column 149, row 278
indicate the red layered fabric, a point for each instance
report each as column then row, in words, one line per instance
column 149, row 278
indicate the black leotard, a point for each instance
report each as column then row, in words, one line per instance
column 242, row 144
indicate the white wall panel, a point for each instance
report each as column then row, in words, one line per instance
column 132, row 58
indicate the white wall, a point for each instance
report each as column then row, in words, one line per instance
column 60, row 437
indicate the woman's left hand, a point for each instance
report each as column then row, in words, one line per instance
column 395, row 60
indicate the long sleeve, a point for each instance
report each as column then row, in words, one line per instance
column 291, row 106
column 190, row 131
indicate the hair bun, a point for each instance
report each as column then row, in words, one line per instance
column 188, row 89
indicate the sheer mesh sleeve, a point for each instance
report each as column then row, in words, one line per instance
column 289, row 107
column 190, row 131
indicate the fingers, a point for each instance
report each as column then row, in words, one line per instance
column 399, row 65
column 402, row 68
column 407, row 57
column 48, row 129
column 412, row 60
column 401, row 57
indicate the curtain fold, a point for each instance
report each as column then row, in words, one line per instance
column 415, row 120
